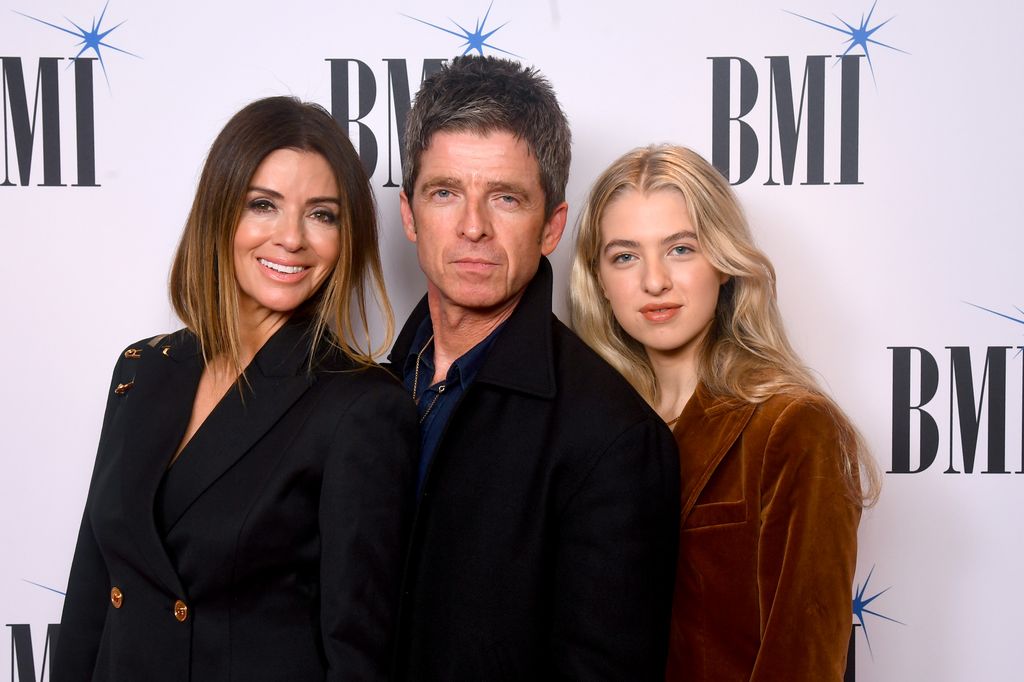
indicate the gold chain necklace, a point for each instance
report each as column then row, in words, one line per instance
column 416, row 381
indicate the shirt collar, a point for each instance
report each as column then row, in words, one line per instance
column 463, row 370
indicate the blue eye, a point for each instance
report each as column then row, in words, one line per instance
column 681, row 250
column 623, row 258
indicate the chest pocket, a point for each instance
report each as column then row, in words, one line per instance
column 716, row 514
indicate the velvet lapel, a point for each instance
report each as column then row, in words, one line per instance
column 706, row 430
column 277, row 377
column 155, row 415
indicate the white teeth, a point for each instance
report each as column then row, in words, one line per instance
column 286, row 269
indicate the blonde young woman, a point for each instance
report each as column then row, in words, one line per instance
column 668, row 286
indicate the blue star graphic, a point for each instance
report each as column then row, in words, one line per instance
column 860, row 607
column 475, row 39
column 858, row 35
column 1008, row 317
column 92, row 39
column 44, row 587
column 1018, row 320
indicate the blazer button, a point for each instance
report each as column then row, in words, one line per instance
column 116, row 597
column 181, row 611
column 121, row 389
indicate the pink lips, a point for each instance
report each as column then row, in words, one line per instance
column 474, row 265
column 660, row 312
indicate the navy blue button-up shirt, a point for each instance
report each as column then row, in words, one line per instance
column 437, row 402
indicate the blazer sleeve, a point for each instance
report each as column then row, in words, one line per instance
column 365, row 512
column 86, row 601
column 616, row 561
column 807, row 550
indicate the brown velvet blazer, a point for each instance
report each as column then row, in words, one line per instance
column 768, row 543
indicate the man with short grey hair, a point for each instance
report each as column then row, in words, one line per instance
column 545, row 540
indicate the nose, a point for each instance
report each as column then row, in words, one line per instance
column 474, row 224
column 656, row 278
column 289, row 233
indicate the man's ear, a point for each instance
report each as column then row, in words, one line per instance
column 408, row 221
column 554, row 226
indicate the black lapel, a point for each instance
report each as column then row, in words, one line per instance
column 277, row 377
column 522, row 358
column 154, row 417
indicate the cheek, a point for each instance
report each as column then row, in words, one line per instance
column 615, row 286
column 328, row 248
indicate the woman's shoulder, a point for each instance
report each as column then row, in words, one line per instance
column 799, row 428
column 158, row 343
column 796, row 405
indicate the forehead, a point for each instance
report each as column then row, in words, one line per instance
column 294, row 166
column 637, row 215
column 495, row 156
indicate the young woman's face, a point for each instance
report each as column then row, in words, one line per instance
column 662, row 289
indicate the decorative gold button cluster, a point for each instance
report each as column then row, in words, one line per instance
column 121, row 389
column 116, row 597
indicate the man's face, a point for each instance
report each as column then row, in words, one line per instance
column 477, row 218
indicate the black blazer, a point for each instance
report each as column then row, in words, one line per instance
column 544, row 545
column 271, row 550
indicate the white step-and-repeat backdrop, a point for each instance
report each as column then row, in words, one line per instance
column 876, row 145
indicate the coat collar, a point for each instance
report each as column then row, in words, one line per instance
column 708, row 427
column 157, row 415
column 522, row 357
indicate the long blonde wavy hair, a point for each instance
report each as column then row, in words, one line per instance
column 745, row 355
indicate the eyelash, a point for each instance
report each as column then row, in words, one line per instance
column 325, row 216
column 322, row 215
column 261, row 205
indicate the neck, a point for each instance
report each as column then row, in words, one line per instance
column 256, row 330
column 676, row 377
column 457, row 329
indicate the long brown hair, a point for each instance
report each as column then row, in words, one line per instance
column 203, row 288
column 745, row 354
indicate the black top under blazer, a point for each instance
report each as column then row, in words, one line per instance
column 270, row 550
column 544, row 545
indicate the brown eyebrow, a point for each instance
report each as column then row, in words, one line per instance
column 508, row 187
column 622, row 243
column 685, row 234
column 277, row 195
column 440, row 182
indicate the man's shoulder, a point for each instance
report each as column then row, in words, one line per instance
column 591, row 386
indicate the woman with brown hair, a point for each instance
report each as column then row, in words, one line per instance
column 248, row 507
column 668, row 286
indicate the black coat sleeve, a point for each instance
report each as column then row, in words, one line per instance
column 87, row 600
column 365, row 510
column 616, row 561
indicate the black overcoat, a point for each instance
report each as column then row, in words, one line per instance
column 544, row 544
column 272, row 548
